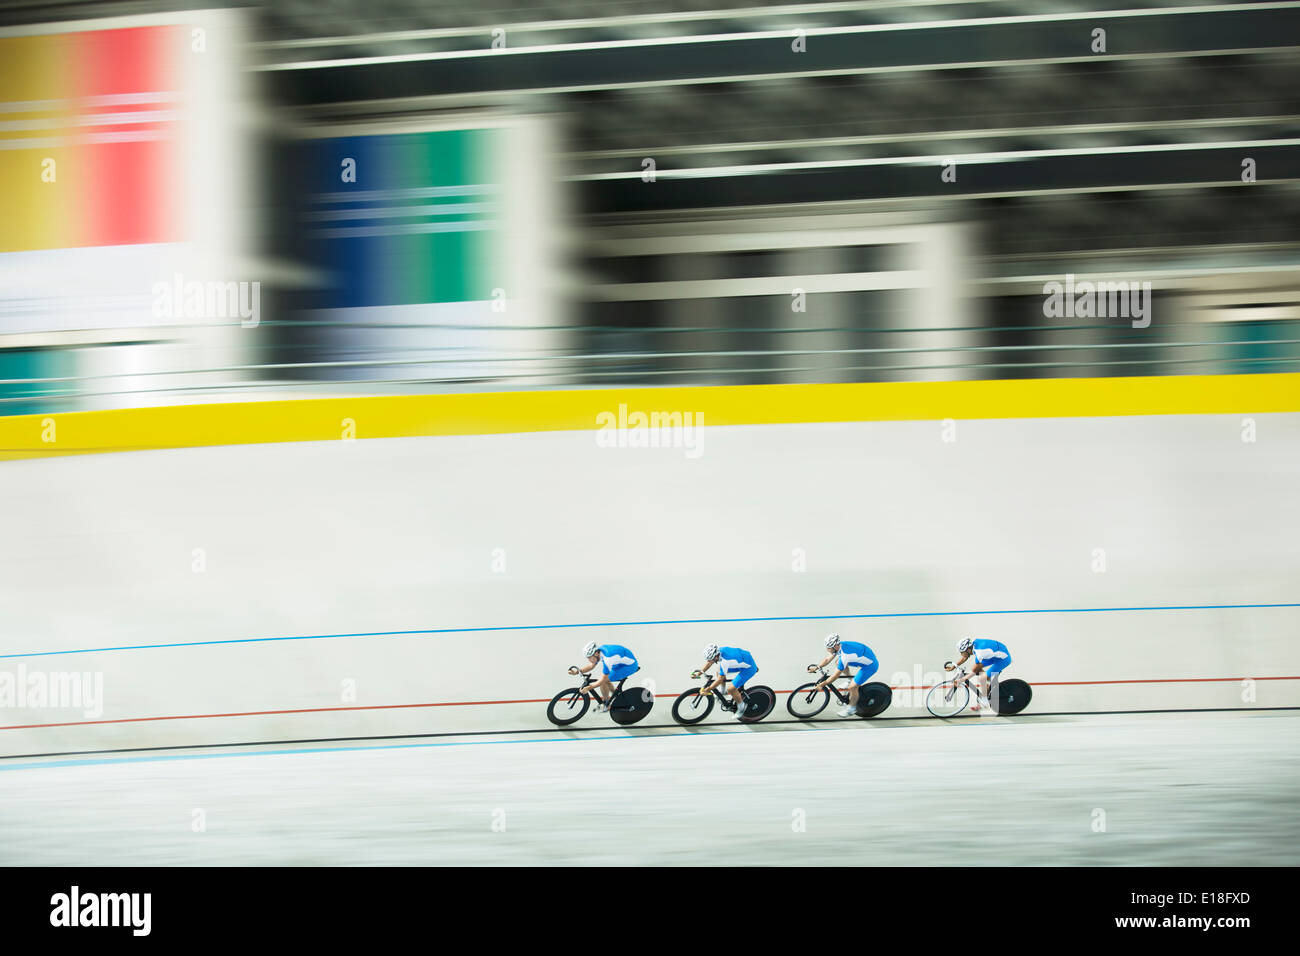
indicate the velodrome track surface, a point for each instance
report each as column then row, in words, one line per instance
column 1137, row 789
column 340, row 651
column 442, row 584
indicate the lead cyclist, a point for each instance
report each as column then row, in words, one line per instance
column 618, row 663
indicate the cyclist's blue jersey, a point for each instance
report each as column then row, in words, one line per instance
column 991, row 653
column 616, row 657
column 734, row 660
column 855, row 654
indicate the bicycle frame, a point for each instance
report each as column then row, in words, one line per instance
column 962, row 676
column 725, row 699
column 1020, row 693
column 841, row 694
column 588, row 680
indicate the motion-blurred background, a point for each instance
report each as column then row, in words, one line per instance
column 311, row 198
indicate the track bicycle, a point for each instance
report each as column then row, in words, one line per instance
column 950, row 697
column 625, row 706
column 691, row 706
column 807, row 700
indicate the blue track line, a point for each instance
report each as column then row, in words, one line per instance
column 705, row 620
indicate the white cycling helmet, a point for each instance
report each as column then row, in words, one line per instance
column 589, row 649
column 711, row 652
column 963, row 645
column 832, row 640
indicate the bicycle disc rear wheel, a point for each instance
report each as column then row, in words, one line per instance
column 759, row 703
column 631, row 705
column 874, row 699
column 1013, row 696
column 947, row 699
column 806, row 702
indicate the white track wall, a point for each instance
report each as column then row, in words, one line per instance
column 394, row 535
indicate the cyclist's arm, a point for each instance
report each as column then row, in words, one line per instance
column 831, row 678
column 587, row 669
column 962, row 660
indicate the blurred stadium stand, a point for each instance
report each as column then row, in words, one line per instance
column 778, row 171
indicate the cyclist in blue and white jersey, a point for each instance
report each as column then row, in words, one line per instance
column 734, row 664
column 991, row 659
column 853, row 657
column 617, row 663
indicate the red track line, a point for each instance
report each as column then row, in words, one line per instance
column 482, row 703
column 268, row 713
column 1150, row 680
column 1162, row 680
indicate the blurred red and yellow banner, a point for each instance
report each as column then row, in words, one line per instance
column 89, row 143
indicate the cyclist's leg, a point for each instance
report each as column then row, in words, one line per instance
column 978, row 683
column 724, row 691
column 860, row 677
column 864, row 674
column 738, row 684
column 620, row 673
column 991, row 678
column 850, row 708
column 601, row 688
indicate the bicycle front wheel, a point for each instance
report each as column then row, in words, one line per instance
column 567, row 707
column 806, row 701
column 691, row 708
column 947, row 699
